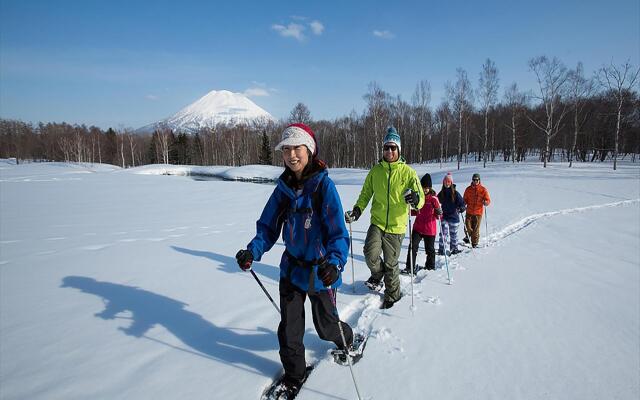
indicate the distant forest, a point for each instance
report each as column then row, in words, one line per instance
column 568, row 117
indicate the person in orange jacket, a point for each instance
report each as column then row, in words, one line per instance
column 476, row 197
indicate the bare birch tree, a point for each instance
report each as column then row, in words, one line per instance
column 551, row 76
column 376, row 100
column 487, row 96
column 78, row 144
column 164, row 142
column 132, row 147
column 443, row 118
column 579, row 89
column 300, row 115
column 421, row 99
column 461, row 98
column 515, row 102
column 618, row 81
column 66, row 145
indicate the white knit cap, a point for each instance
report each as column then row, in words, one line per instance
column 298, row 135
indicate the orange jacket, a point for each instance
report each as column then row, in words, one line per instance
column 474, row 196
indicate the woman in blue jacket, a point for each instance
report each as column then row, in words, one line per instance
column 306, row 207
column 452, row 205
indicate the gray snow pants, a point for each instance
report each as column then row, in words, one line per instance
column 388, row 245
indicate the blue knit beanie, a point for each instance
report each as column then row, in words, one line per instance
column 392, row 137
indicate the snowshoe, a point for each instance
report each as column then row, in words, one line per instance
column 456, row 251
column 284, row 390
column 374, row 284
column 355, row 351
column 407, row 270
column 388, row 303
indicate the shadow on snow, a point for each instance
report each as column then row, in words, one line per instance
column 229, row 264
column 148, row 309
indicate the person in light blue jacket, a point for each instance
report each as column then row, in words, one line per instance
column 306, row 208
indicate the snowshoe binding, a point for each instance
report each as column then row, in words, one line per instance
column 407, row 271
column 282, row 389
column 374, row 284
column 355, row 351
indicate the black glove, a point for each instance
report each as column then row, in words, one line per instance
column 411, row 198
column 244, row 258
column 439, row 211
column 353, row 215
column 462, row 209
column 328, row 273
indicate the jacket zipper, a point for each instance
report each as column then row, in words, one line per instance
column 386, row 226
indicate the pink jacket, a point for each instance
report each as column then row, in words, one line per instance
column 425, row 222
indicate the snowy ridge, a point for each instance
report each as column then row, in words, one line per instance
column 525, row 222
column 217, row 106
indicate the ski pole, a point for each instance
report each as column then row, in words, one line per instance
column 333, row 295
column 446, row 258
column 486, row 228
column 467, row 237
column 464, row 225
column 265, row 290
column 411, row 261
column 353, row 273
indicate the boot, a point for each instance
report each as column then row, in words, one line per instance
column 388, row 303
column 374, row 284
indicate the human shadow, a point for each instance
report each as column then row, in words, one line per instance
column 146, row 309
column 229, row 264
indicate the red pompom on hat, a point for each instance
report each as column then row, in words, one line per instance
column 298, row 135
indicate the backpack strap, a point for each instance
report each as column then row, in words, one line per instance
column 316, row 207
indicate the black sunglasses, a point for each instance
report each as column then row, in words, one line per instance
column 476, row 180
column 392, row 148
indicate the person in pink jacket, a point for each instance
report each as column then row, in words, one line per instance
column 425, row 227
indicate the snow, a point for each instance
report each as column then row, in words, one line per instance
column 119, row 284
column 217, row 106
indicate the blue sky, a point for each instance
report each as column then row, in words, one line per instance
column 129, row 63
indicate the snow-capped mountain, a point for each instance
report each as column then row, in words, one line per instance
column 217, row 106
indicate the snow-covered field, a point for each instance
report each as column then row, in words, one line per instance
column 122, row 284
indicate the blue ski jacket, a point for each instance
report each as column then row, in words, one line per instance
column 311, row 232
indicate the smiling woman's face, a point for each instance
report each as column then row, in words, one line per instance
column 296, row 158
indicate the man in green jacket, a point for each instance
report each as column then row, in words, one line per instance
column 394, row 186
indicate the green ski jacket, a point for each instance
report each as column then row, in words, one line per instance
column 386, row 183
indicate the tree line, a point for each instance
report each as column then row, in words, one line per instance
column 568, row 117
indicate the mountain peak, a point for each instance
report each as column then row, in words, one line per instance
column 217, row 106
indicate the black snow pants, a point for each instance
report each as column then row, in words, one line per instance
column 429, row 248
column 291, row 328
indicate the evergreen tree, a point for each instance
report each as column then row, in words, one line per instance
column 179, row 149
column 152, row 155
column 111, row 147
column 195, row 150
column 264, row 157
